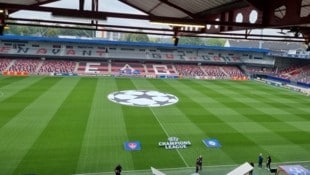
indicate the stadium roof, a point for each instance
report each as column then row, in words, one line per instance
column 270, row 45
column 216, row 18
column 27, row 2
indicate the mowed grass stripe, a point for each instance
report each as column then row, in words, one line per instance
column 178, row 122
column 3, row 77
column 192, row 104
column 274, row 137
column 142, row 125
column 280, row 127
column 25, row 95
column 13, row 85
column 4, row 81
column 105, row 140
column 281, row 93
column 296, row 111
column 102, row 146
column 259, row 100
column 19, row 134
column 57, row 149
column 175, row 123
column 197, row 116
column 297, row 104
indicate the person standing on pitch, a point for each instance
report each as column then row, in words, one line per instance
column 251, row 172
column 199, row 164
column 268, row 162
column 260, row 160
column 118, row 170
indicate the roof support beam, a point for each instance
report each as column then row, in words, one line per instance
column 177, row 7
column 103, row 15
column 223, row 8
column 171, row 33
column 44, row 2
column 81, row 4
column 290, row 8
column 261, row 4
column 140, row 9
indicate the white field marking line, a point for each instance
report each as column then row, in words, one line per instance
column 211, row 166
column 162, row 126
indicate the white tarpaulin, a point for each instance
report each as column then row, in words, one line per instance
column 241, row 170
column 156, row 171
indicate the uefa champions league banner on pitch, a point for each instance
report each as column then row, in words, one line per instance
column 132, row 146
column 174, row 143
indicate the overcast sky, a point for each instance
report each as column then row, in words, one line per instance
column 104, row 5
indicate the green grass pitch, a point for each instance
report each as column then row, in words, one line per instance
column 66, row 125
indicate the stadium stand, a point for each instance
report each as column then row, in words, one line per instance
column 57, row 67
column 159, row 69
column 127, row 69
column 93, row 68
column 25, row 65
column 259, row 70
column 190, row 71
column 4, row 63
column 105, row 58
column 304, row 76
column 233, row 72
column 214, row 72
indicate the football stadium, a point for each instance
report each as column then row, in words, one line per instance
column 82, row 106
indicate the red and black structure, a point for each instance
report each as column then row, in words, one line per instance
column 220, row 17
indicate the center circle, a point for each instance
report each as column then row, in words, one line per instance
column 142, row 98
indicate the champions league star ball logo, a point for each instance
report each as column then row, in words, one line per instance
column 142, row 98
